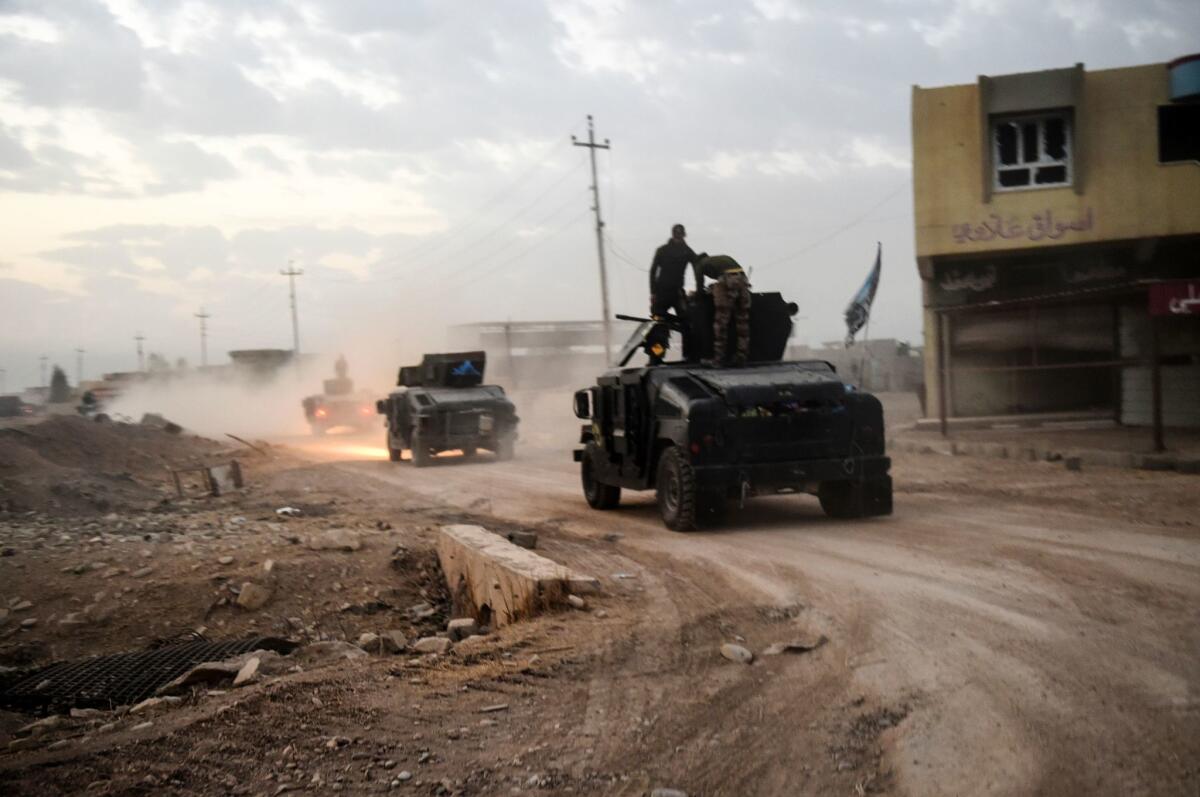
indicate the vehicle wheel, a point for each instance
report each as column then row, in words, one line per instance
column 469, row 451
column 598, row 494
column 856, row 499
column 676, row 485
column 421, row 455
column 394, row 454
column 506, row 448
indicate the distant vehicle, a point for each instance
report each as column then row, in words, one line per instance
column 703, row 436
column 443, row 405
column 13, row 407
column 339, row 405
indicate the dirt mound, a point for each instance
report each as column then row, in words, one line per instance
column 73, row 465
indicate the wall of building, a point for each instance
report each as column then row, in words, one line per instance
column 1124, row 192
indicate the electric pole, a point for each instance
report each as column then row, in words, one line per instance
column 139, row 337
column 203, row 316
column 291, row 272
column 79, row 366
column 42, row 363
column 592, row 147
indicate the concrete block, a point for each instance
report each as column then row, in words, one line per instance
column 497, row 582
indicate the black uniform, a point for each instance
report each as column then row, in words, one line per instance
column 666, row 276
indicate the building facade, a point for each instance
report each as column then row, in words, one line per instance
column 1051, row 209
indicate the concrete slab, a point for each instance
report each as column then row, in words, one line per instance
column 498, row 582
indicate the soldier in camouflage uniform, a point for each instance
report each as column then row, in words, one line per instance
column 731, row 297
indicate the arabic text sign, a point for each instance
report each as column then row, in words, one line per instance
column 1178, row 297
column 1041, row 226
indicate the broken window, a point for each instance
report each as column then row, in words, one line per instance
column 1031, row 151
column 1179, row 133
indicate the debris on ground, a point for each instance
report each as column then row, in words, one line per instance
column 737, row 653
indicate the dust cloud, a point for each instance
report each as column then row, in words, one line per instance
column 213, row 404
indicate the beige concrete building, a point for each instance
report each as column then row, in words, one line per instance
column 1051, row 208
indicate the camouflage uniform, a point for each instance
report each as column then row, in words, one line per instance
column 731, row 296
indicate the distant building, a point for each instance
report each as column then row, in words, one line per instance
column 1058, row 242
column 884, row 365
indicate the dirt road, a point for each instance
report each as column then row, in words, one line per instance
column 1015, row 647
column 1015, row 628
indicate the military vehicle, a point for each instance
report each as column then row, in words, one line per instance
column 339, row 405
column 443, row 405
column 703, row 436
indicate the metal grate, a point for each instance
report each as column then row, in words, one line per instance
column 122, row 679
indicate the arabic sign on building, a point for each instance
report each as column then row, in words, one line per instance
column 1178, row 297
column 1041, row 226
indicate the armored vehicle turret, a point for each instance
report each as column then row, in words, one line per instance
column 704, row 436
column 443, row 405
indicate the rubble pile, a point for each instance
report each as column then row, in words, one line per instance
column 68, row 464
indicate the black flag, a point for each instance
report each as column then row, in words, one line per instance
column 859, row 309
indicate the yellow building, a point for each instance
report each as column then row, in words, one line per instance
column 1052, row 210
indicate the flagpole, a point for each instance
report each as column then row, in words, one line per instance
column 862, row 368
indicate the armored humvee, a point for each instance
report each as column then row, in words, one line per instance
column 703, row 436
column 338, row 405
column 442, row 404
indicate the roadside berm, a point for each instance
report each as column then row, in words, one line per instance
column 497, row 582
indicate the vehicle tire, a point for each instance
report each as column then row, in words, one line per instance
column 599, row 495
column 394, row 454
column 421, row 456
column 506, row 448
column 470, row 451
column 676, row 488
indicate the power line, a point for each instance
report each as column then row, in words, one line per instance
column 524, row 252
column 838, row 231
column 540, row 223
column 431, row 244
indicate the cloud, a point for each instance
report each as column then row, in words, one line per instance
column 162, row 154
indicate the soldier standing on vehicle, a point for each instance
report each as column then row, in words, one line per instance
column 731, row 297
column 666, row 274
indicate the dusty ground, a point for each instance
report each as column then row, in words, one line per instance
column 1014, row 628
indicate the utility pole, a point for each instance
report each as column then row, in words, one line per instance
column 203, row 316
column 139, row 337
column 79, row 366
column 592, row 147
column 291, row 272
column 42, row 363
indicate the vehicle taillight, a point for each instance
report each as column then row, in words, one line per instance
column 321, row 412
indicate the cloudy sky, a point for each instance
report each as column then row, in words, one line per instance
column 414, row 157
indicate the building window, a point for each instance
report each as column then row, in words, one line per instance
column 1031, row 151
column 1179, row 133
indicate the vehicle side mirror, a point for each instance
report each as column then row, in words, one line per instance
column 583, row 404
